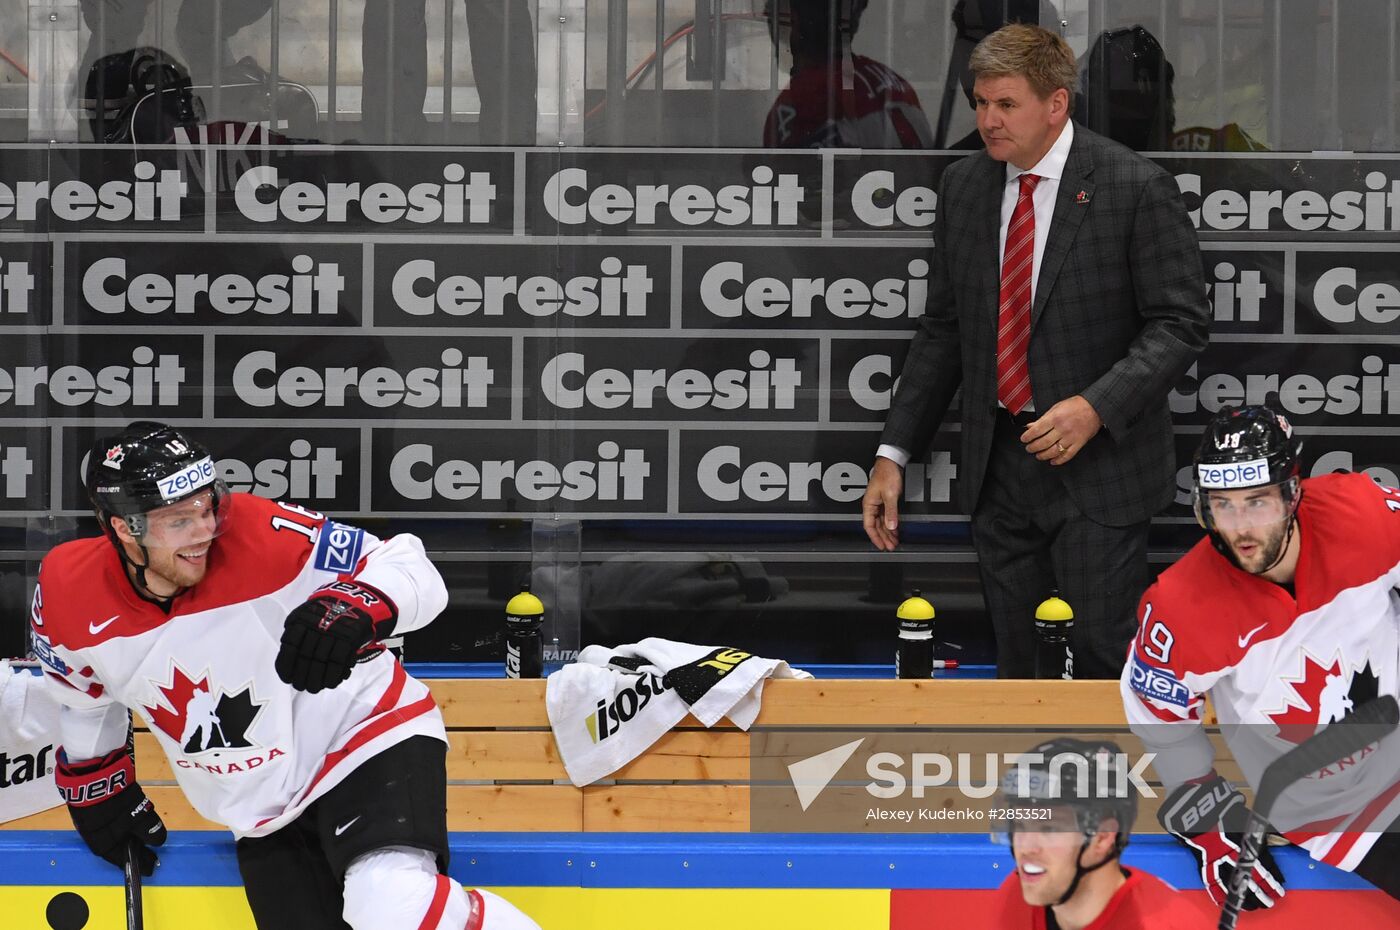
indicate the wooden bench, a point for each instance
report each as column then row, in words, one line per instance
column 504, row 771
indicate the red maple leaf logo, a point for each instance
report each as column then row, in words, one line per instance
column 170, row 718
column 1321, row 698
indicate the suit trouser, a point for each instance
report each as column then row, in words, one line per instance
column 1031, row 539
column 501, row 36
column 117, row 27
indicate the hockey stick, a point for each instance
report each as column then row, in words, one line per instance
column 1373, row 722
column 134, row 918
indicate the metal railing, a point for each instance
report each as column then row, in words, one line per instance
column 1323, row 74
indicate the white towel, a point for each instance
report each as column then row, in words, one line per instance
column 613, row 703
column 28, row 731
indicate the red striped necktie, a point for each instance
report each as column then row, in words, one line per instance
column 1014, row 314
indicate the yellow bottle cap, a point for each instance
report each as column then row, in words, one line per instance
column 525, row 604
column 1054, row 610
column 915, row 608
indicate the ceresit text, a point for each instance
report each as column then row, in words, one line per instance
column 768, row 384
column 311, row 288
column 419, row 291
column 616, row 474
column 1376, row 209
column 727, row 292
column 1375, row 392
column 569, row 199
column 724, row 476
column 260, row 381
column 306, row 473
column 142, row 383
column 74, row 201
column 380, row 202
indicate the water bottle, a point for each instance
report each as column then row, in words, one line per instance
column 913, row 654
column 524, row 642
column 1054, row 623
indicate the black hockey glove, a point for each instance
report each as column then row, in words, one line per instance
column 338, row 626
column 1208, row 816
column 108, row 807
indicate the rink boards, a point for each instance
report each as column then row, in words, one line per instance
column 678, row 881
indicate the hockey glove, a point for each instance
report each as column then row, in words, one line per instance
column 1208, row 816
column 108, row 807
column 338, row 626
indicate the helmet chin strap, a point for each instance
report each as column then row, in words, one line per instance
column 1080, row 870
column 1283, row 550
column 136, row 573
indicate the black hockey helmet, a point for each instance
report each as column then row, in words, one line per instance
column 145, row 467
column 140, row 95
column 815, row 20
column 1088, row 778
column 1243, row 448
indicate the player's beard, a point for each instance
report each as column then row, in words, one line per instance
column 168, row 573
column 1268, row 549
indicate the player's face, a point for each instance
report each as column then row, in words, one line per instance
column 1016, row 124
column 1046, row 852
column 1253, row 522
column 178, row 541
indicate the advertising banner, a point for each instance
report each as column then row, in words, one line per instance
column 660, row 335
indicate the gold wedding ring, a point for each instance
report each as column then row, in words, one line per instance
column 1061, row 447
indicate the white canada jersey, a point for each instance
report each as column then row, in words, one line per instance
column 247, row 749
column 1278, row 668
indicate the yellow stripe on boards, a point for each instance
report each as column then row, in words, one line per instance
column 553, row 908
column 703, row 908
column 176, row 908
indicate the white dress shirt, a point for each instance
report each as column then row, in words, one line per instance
column 1050, row 168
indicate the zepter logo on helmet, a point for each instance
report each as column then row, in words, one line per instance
column 1247, row 473
column 161, row 484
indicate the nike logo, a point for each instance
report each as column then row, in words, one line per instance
column 1244, row 640
column 347, row 825
column 95, row 628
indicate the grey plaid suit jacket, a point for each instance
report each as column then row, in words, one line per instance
column 1120, row 312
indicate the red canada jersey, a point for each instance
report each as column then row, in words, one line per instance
column 247, row 749
column 880, row 110
column 1278, row 666
column 1143, row 902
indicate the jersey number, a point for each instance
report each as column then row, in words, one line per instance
column 282, row 523
column 1392, row 498
column 1159, row 639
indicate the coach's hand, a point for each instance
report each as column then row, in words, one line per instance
column 880, row 506
column 109, row 808
column 1064, row 429
column 338, row 626
column 1208, row 817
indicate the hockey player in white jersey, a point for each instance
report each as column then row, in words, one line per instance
column 248, row 634
column 1288, row 616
